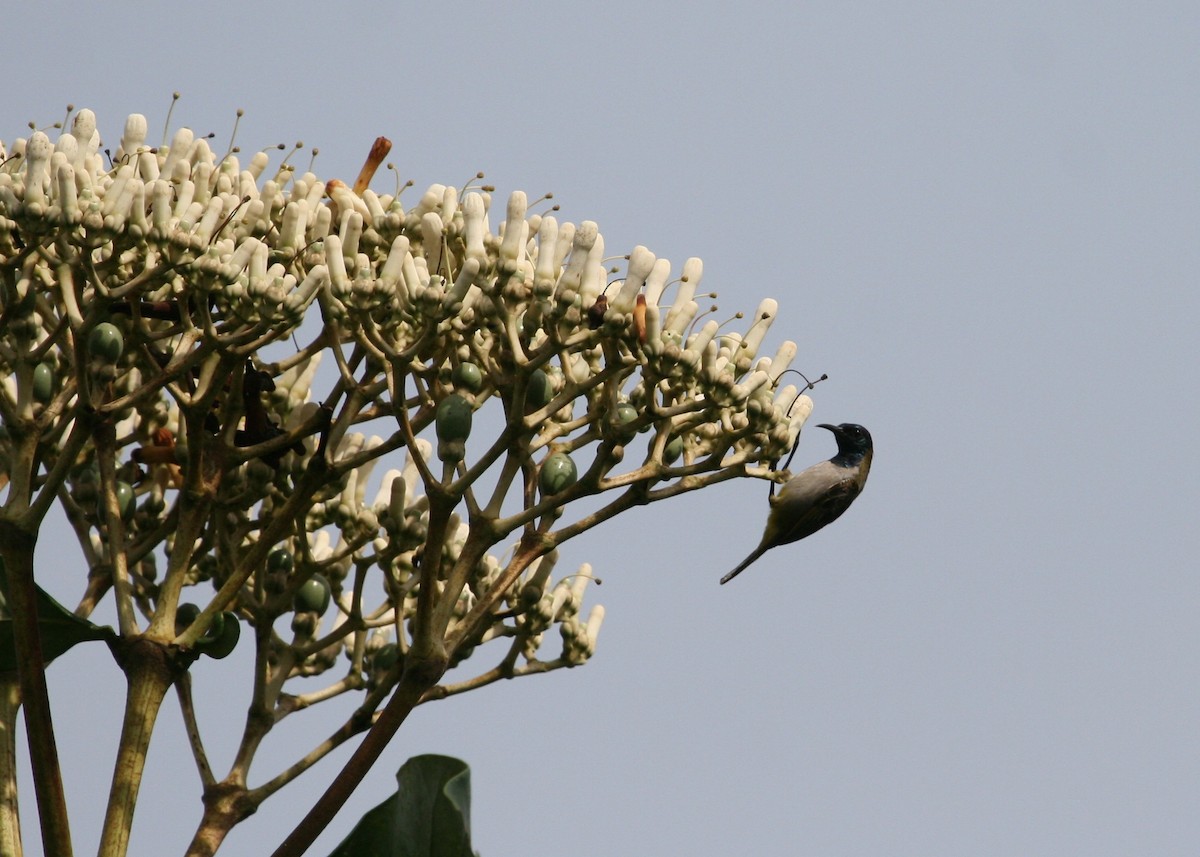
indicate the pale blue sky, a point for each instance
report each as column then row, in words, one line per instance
column 980, row 219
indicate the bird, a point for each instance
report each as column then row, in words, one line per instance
column 818, row 495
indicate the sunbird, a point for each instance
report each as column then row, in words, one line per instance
column 816, row 496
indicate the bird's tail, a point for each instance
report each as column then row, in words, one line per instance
column 758, row 551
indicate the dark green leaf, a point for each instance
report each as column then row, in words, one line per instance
column 60, row 628
column 429, row 816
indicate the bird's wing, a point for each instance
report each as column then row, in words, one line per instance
column 822, row 493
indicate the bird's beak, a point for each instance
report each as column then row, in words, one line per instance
column 833, row 429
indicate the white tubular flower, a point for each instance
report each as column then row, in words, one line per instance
column 338, row 278
column 295, row 219
column 595, row 619
column 783, row 359
column 392, row 271
column 742, row 392
column 680, row 317
column 83, row 129
column 298, row 300
column 258, row 163
column 767, row 310
column 580, row 582
column 137, row 209
column 321, row 545
column 654, row 342
column 350, row 445
column 512, row 245
column 560, row 601
column 800, row 412
column 431, row 234
column 242, row 255
column 431, row 200
column 178, row 151
column 66, row 149
column 118, row 206
column 699, row 341
column 201, row 158
column 411, row 277
column 132, row 138
column 693, row 270
column 117, row 189
column 363, row 471
column 412, row 477
column 315, row 188
column 449, row 204
column 147, row 162
column 38, row 150
column 374, row 207
column 68, row 200
column 562, row 246
column 466, row 279
column 392, row 495
column 160, row 209
column 474, row 229
column 641, row 263
column 572, row 276
column 657, row 281
column 545, row 273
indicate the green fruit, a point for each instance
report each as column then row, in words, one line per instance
column 126, row 501
column 673, row 449
column 105, row 342
column 43, row 383
column 539, row 392
column 185, row 615
column 313, row 596
column 222, row 637
column 624, row 416
column 386, row 657
column 558, row 474
column 454, row 414
column 453, row 423
column 280, row 559
column 468, row 377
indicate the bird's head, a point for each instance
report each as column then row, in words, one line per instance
column 854, row 442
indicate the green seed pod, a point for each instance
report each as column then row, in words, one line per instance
column 205, row 568
column 279, row 559
column 222, row 637
column 386, row 657
column 453, row 424
column 468, row 377
column 623, row 418
column 43, row 383
column 558, row 474
column 185, row 615
column 673, row 449
column 314, row 596
column 539, row 392
column 126, row 501
column 105, row 342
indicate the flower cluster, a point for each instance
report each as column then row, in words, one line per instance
column 147, row 293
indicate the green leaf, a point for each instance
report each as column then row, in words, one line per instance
column 60, row 628
column 428, row 816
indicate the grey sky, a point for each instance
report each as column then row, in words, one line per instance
column 979, row 218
